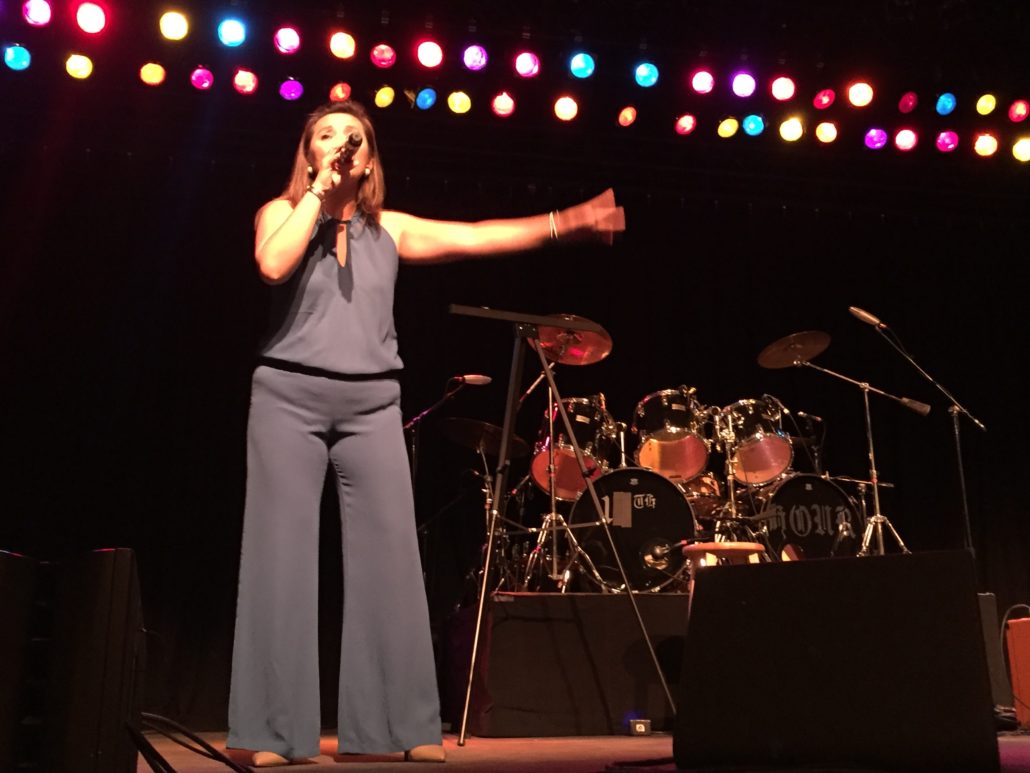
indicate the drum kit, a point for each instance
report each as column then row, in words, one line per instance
column 697, row 473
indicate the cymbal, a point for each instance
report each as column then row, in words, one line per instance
column 573, row 347
column 794, row 349
column 477, row 435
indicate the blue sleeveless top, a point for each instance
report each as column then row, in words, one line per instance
column 338, row 319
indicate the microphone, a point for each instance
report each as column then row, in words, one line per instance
column 914, row 405
column 350, row 147
column 866, row 317
column 472, row 379
column 809, row 416
column 660, row 551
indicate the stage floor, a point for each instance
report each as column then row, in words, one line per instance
column 583, row 754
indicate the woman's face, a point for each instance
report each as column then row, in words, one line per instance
column 330, row 135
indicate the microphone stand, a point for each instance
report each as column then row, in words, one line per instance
column 955, row 409
column 414, row 425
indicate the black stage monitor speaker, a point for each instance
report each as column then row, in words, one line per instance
column 97, row 654
column 865, row 663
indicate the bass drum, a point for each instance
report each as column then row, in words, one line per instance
column 807, row 516
column 648, row 515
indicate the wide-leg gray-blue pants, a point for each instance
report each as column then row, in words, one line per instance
column 388, row 698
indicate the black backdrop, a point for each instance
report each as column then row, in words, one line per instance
column 130, row 310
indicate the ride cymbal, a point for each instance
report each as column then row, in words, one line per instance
column 794, row 349
column 573, row 347
column 481, row 435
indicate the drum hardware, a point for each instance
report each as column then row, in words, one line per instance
column 484, row 439
column 481, row 437
column 620, row 429
column 535, row 331
column 726, row 441
column 535, row 384
column 812, row 445
column 414, row 427
column 796, row 351
column 844, row 531
column 954, row 410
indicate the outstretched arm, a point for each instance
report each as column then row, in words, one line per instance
column 419, row 239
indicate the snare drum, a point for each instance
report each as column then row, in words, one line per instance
column 670, row 425
column 761, row 451
column 704, row 494
column 594, row 431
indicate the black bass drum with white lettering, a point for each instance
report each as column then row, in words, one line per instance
column 649, row 516
column 806, row 516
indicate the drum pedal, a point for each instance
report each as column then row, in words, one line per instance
column 640, row 727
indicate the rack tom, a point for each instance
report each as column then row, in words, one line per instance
column 670, row 426
column 594, row 432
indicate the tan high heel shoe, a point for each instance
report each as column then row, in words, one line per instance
column 268, row 760
column 430, row 752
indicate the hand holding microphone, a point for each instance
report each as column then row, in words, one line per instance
column 346, row 154
column 335, row 166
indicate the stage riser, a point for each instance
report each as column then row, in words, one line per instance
column 561, row 665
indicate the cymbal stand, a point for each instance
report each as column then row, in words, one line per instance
column 504, row 572
column 525, row 329
column 878, row 521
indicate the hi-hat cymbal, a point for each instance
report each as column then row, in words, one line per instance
column 574, row 347
column 795, row 348
column 481, row 435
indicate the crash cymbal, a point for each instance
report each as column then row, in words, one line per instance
column 477, row 435
column 795, row 348
column 574, row 347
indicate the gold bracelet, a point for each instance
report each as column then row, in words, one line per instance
column 319, row 194
column 553, row 225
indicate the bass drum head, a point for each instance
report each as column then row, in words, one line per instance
column 647, row 514
column 809, row 517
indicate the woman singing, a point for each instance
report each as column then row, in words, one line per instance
column 325, row 392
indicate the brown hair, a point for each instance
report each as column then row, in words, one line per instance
column 371, row 189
